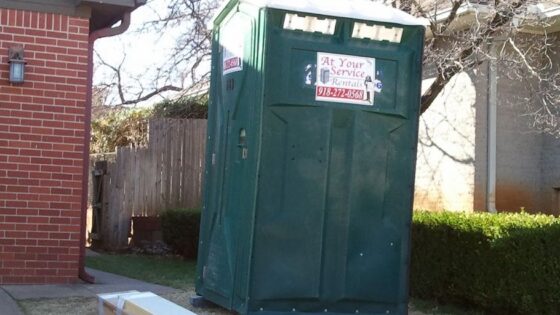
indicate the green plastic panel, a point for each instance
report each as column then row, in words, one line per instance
column 308, row 194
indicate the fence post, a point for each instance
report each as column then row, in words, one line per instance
column 99, row 203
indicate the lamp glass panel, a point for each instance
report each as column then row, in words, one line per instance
column 16, row 72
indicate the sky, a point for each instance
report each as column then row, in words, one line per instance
column 144, row 50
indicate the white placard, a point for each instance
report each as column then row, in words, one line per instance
column 232, row 39
column 346, row 79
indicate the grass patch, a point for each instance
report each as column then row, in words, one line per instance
column 180, row 274
column 88, row 306
column 169, row 271
column 75, row 305
column 432, row 308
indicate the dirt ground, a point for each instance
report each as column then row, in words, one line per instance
column 88, row 306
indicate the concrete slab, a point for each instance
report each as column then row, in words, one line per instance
column 8, row 305
column 105, row 283
column 49, row 291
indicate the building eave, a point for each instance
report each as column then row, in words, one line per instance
column 101, row 13
column 64, row 7
column 105, row 13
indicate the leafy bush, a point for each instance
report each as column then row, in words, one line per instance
column 180, row 229
column 504, row 264
column 191, row 108
column 119, row 128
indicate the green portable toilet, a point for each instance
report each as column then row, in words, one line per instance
column 313, row 123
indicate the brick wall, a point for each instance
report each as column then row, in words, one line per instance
column 41, row 143
column 446, row 148
column 528, row 170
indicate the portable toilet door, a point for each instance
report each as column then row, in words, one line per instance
column 230, row 177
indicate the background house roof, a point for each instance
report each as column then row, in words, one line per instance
column 540, row 18
column 551, row 3
column 102, row 13
column 433, row 5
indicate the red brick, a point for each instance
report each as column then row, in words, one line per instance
column 5, row 241
column 26, row 242
column 15, row 203
column 28, row 167
column 41, row 143
column 49, row 228
column 37, row 250
column 27, row 212
column 27, row 227
column 47, row 257
column 61, row 236
column 32, row 279
column 47, row 272
column 13, row 280
column 15, row 219
column 15, row 249
column 38, row 235
column 17, row 189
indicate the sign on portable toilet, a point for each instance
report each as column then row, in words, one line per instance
column 311, row 151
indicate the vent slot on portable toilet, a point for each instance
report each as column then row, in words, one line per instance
column 310, row 24
column 377, row 32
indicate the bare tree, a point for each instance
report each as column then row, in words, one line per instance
column 186, row 67
column 461, row 36
column 535, row 61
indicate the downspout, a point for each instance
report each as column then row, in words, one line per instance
column 491, row 125
column 95, row 35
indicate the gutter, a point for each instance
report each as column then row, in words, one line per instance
column 465, row 8
column 492, row 115
column 95, row 35
column 541, row 12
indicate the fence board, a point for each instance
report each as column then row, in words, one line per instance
column 167, row 173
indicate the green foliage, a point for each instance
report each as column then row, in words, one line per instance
column 122, row 127
column 119, row 128
column 433, row 308
column 193, row 108
column 180, row 228
column 504, row 264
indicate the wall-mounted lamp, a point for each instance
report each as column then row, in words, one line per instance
column 17, row 65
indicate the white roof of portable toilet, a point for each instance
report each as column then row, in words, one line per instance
column 354, row 9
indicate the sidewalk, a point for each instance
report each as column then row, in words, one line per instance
column 9, row 306
column 104, row 283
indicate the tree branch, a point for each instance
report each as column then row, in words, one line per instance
column 155, row 92
column 460, row 61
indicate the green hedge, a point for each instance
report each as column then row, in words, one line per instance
column 504, row 264
column 180, row 229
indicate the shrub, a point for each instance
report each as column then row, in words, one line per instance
column 504, row 264
column 119, row 128
column 180, row 228
column 184, row 107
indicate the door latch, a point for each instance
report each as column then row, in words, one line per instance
column 243, row 144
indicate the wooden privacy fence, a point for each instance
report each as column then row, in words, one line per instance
column 143, row 181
